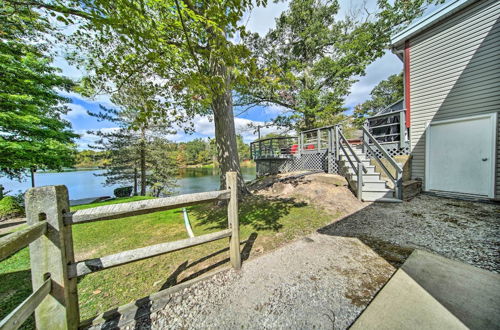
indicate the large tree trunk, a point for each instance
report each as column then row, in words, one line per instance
column 225, row 133
column 143, row 163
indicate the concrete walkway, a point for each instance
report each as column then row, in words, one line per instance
column 433, row 292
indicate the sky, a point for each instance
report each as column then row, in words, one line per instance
column 259, row 20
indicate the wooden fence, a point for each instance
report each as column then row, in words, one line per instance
column 53, row 268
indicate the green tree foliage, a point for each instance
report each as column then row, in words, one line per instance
column 163, row 170
column 32, row 131
column 311, row 59
column 10, row 208
column 183, row 46
column 387, row 92
column 138, row 134
column 90, row 159
column 243, row 148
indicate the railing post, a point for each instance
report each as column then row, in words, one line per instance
column 232, row 216
column 318, row 139
column 366, row 124
column 402, row 129
column 301, row 143
column 360, row 181
column 329, row 151
column 51, row 254
column 337, row 151
column 399, row 185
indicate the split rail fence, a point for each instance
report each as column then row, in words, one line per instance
column 53, row 268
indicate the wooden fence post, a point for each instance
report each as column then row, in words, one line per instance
column 50, row 255
column 232, row 216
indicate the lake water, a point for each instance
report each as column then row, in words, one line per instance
column 84, row 184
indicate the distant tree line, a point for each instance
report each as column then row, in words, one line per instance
column 193, row 153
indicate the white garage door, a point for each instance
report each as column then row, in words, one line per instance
column 460, row 155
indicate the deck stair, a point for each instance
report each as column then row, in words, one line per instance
column 374, row 187
column 354, row 164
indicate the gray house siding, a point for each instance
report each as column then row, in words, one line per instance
column 455, row 72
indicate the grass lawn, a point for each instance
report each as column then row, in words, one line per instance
column 265, row 224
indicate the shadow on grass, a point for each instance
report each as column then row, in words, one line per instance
column 142, row 308
column 14, row 288
column 259, row 212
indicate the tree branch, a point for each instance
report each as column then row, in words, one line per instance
column 187, row 36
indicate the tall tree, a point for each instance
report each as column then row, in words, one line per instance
column 128, row 147
column 311, row 59
column 183, row 45
column 32, row 131
column 121, row 148
column 163, row 170
column 387, row 92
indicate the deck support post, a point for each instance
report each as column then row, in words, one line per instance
column 329, row 151
column 360, row 181
column 318, row 139
column 232, row 216
column 337, row 145
column 50, row 256
column 399, row 185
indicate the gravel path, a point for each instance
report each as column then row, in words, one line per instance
column 320, row 281
column 325, row 280
column 460, row 230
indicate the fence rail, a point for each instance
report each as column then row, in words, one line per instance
column 115, row 211
column 53, row 268
column 14, row 242
column 94, row 265
column 21, row 313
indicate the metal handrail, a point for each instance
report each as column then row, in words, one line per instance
column 275, row 138
column 382, row 150
column 352, row 152
column 398, row 180
column 317, row 129
column 389, row 174
column 384, row 125
column 386, row 114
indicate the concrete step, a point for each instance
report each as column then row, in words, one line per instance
column 346, row 167
column 376, row 186
column 374, row 195
column 362, row 158
column 384, row 200
column 372, row 177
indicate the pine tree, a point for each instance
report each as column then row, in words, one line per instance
column 32, row 131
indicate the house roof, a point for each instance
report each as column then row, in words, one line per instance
column 432, row 18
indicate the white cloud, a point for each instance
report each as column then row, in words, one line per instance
column 377, row 71
column 75, row 111
column 104, row 100
column 87, row 139
column 261, row 19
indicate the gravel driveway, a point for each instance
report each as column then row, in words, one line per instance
column 460, row 230
column 326, row 279
column 320, row 281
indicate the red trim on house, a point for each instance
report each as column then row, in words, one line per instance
column 407, row 81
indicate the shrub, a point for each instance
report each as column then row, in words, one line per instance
column 122, row 191
column 10, row 208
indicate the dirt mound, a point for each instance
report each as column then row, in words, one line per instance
column 327, row 191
